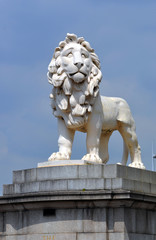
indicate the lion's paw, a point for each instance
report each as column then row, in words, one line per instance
column 58, row 156
column 92, row 158
column 137, row 165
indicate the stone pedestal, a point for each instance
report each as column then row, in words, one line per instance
column 79, row 202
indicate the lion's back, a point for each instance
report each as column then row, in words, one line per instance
column 115, row 110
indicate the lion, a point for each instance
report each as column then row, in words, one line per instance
column 74, row 72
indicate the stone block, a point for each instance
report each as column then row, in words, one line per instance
column 153, row 188
column 85, row 184
column 134, row 174
column 141, row 221
column 55, row 185
column 83, row 171
column 138, row 186
column 128, row 184
column 151, row 222
column 2, row 237
column 13, row 223
column 122, row 171
column 64, row 236
column 116, row 236
column 57, row 236
column 91, row 236
column 22, row 176
column 110, row 171
column 108, row 183
column 146, row 176
column 110, row 219
column 134, row 236
column 1, row 223
column 118, row 218
column 115, row 171
column 62, row 163
column 146, row 187
column 117, row 183
column 17, row 188
column 19, row 237
column 8, row 189
column 130, row 219
column 90, row 171
column 31, row 175
column 43, row 186
column 58, row 172
column 19, row 176
column 153, row 177
column 29, row 187
column 95, row 220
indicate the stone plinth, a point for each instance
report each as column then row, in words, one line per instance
column 79, row 202
column 63, row 163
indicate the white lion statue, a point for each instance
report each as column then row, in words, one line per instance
column 74, row 72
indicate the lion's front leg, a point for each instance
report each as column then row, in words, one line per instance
column 93, row 139
column 65, row 141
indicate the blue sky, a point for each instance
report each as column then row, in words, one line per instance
column 123, row 34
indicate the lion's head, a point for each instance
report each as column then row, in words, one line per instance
column 74, row 71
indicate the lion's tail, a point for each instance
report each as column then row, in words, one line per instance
column 125, row 153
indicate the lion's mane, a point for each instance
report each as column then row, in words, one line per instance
column 69, row 100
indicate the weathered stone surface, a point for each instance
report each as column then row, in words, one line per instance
column 1, row 221
column 34, row 222
column 91, row 236
column 85, row 184
column 95, row 220
column 64, row 236
column 84, row 171
column 118, row 220
column 116, row 236
column 66, row 172
column 134, row 236
column 61, row 163
column 130, row 219
column 79, row 202
column 151, row 222
column 90, row 171
column 82, row 177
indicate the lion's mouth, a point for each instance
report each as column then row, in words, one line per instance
column 72, row 74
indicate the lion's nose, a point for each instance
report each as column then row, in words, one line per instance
column 78, row 64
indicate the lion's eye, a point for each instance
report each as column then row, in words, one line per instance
column 69, row 55
column 83, row 55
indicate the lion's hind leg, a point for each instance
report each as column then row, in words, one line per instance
column 129, row 135
column 103, row 149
